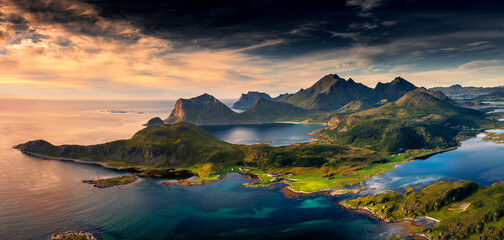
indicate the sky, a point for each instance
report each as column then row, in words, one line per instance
column 138, row 49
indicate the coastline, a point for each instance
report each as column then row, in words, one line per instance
column 142, row 172
column 163, row 173
column 409, row 223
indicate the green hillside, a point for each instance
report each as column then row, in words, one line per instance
column 420, row 119
column 176, row 145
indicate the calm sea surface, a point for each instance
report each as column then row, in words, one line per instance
column 276, row 133
column 41, row 197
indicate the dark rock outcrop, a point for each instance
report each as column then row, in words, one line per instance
column 154, row 122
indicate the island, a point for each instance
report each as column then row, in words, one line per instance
column 110, row 182
column 73, row 235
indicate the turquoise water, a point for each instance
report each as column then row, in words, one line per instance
column 41, row 197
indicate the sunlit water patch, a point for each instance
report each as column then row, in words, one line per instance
column 476, row 160
column 275, row 133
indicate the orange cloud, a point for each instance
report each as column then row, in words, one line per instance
column 114, row 59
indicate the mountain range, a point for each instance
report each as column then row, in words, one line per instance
column 470, row 92
column 332, row 92
column 206, row 109
column 329, row 94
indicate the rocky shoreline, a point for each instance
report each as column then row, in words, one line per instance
column 409, row 223
column 70, row 234
column 142, row 172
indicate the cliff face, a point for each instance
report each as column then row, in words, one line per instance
column 204, row 109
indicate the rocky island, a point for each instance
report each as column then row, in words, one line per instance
column 73, row 235
column 110, row 182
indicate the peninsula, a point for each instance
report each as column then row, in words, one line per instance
column 464, row 209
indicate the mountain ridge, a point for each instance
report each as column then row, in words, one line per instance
column 333, row 92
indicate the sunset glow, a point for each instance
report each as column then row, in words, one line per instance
column 95, row 50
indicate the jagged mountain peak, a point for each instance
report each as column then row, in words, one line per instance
column 398, row 80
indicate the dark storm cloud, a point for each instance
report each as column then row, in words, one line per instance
column 308, row 26
column 405, row 28
column 231, row 24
